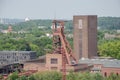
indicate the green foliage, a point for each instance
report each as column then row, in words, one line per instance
column 100, row 35
column 13, row 76
column 34, row 39
column 103, row 22
column 48, row 75
column 53, row 75
column 71, row 76
column 23, row 78
column 113, row 77
column 110, row 48
column 109, row 23
column 27, row 43
column 97, row 76
column 1, row 77
column 84, row 76
column 31, row 77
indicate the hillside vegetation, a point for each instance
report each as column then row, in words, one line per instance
column 109, row 23
column 34, row 36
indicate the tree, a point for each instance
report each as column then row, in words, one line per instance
column 28, row 48
column 110, row 48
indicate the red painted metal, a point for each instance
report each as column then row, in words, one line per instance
column 61, row 46
column 63, row 65
column 60, row 41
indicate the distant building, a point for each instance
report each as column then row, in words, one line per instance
column 4, row 31
column 27, row 19
column 85, row 36
column 69, row 35
column 111, row 36
column 41, row 27
column 118, row 31
column 53, row 62
column 85, row 49
column 104, row 66
column 10, row 21
column 9, row 29
column 1, row 21
column 49, row 35
column 11, row 57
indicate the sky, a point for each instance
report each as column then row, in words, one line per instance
column 58, row 9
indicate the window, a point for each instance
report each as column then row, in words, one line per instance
column 24, row 57
column 54, row 60
column 80, row 22
column 117, row 74
column 105, row 74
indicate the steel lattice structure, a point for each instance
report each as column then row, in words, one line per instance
column 61, row 46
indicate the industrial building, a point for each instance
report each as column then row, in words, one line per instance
column 84, row 57
column 85, row 46
column 85, row 36
column 11, row 57
column 105, row 66
column 11, row 61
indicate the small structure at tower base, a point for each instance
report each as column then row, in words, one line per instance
column 54, row 62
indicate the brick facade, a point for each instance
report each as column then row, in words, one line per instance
column 85, row 36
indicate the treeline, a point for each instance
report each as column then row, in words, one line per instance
column 25, row 42
column 109, row 23
column 36, row 40
column 53, row 75
column 29, row 25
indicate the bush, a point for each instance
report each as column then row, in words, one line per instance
column 13, row 76
column 48, row 75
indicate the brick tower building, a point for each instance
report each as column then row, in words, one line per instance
column 85, row 36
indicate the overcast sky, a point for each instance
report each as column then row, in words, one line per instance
column 60, row 9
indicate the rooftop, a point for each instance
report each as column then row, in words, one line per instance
column 16, row 52
column 114, row 63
